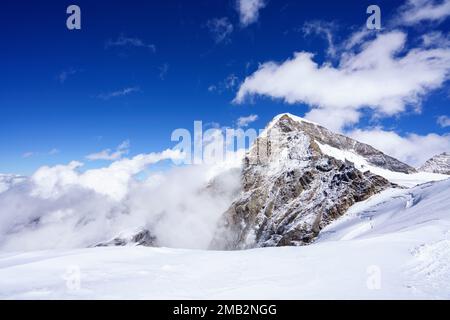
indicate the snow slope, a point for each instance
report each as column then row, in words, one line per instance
column 400, row 178
column 438, row 164
column 394, row 245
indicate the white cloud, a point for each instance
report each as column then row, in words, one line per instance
column 62, row 207
column 108, row 154
column 111, row 181
column 163, row 70
column 413, row 149
column 416, row 11
column 435, row 39
column 249, row 10
column 380, row 77
column 220, row 29
column 334, row 119
column 30, row 154
column 245, row 121
column 119, row 93
column 444, row 121
column 124, row 41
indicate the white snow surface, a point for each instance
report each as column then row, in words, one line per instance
column 395, row 245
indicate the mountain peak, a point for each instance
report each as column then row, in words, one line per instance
column 286, row 122
column 437, row 164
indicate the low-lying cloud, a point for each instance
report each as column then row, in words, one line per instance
column 63, row 207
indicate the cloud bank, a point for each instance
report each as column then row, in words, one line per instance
column 64, row 207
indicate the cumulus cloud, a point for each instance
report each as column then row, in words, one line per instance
column 380, row 77
column 412, row 148
column 220, row 29
column 245, row 121
column 444, row 121
column 108, row 154
column 118, row 93
column 110, row 181
column 249, row 10
column 124, row 41
column 417, row 11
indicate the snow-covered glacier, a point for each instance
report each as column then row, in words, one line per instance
column 395, row 245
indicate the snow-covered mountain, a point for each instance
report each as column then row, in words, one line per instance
column 298, row 177
column 437, row 164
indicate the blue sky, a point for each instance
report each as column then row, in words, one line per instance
column 137, row 70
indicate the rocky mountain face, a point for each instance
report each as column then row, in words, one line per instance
column 292, row 189
column 139, row 237
column 437, row 164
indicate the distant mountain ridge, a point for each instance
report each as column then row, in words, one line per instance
column 437, row 164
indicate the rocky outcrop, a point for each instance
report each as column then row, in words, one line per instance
column 291, row 189
column 437, row 164
column 140, row 237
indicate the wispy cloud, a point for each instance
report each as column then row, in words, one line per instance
column 245, row 121
column 323, row 29
column 119, row 93
column 53, row 151
column 220, row 29
column 65, row 74
column 229, row 83
column 249, row 10
column 109, row 155
column 444, row 121
column 163, row 70
column 30, row 154
column 417, row 11
column 124, row 41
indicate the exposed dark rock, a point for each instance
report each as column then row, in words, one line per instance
column 291, row 189
column 141, row 237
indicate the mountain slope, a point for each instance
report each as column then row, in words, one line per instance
column 297, row 178
column 437, row 164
